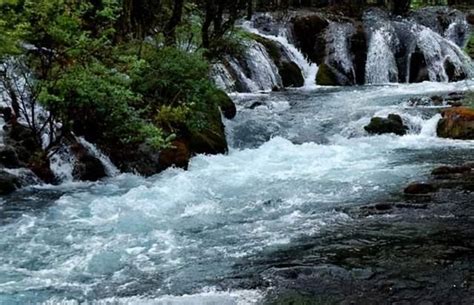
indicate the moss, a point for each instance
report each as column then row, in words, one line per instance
column 326, row 76
column 470, row 46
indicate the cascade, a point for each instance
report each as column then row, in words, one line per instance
column 381, row 65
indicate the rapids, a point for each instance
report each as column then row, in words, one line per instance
column 197, row 236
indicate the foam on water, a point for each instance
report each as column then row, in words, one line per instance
column 164, row 239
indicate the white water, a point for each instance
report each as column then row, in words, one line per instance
column 168, row 238
column 308, row 68
column 381, row 67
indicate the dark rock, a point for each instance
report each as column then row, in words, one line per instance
column 449, row 170
column 227, row 105
column 291, row 75
column 418, row 68
column 383, row 206
column 255, row 105
column 418, row 188
column 87, row 166
column 8, row 183
column 7, row 114
column 392, row 124
column 455, row 104
column 40, row 165
column 309, row 34
column 276, row 89
column 470, row 18
column 326, row 76
column 457, row 123
column 359, row 49
column 453, row 74
column 437, row 100
column 178, row 154
column 9, row 157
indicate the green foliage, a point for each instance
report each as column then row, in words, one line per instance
column 182, row 96
column 470, row 46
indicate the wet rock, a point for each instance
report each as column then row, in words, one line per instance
column 228, row 108
column 392, row 124
column 418, row 68
column 457, row 123
column 420, row 188
column 359, row 49
column 255, row 105
column 450, row 170
column 437, row 100
column 326, row 76
column 177, row 154
column 9, row 157
column 418, row 101
column 383, row 206
column 87, row 166
column 309, row 34
column 470, row 18
column 291, row 75
column 453, row 74
column 455, row 104
column 8, row 183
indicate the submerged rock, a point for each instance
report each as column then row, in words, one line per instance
column 8, row 183
column 457, row 123
column 420, row 188
column 392, row 124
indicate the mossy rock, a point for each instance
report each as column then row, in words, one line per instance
column 457, row 123
column 226, row 104
column 291, row 75
column 326, row 76
column 470, row 46
column 210, row 139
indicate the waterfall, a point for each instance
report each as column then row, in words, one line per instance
column 290, row 51
column 381, row 64
column 263, row 70
column 222, row 77
column 338, row 50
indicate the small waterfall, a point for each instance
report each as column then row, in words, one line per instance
column 222, row 77
column 381, row 64
column 338, row 50
column 263, row 71
column 291, row 52
column 110, row 169
column 440, row 53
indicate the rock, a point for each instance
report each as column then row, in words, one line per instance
column 418, row 68
column 40, row 165
column 450, row 170
column 392, row 124
column 437, row 100
column 418, row 188
column 227, row 105
column 7, row 114
column 359, row 49
column 455, row 104
column 291, row 75
column 457, row 123
column 326, row 76
column 177, row 154
column 309, row 34
column 256, row 104
column 9, row 157
column 87, row 166
column 8, row 183
column 383, row 206
column 470, row 18
column 453, row 74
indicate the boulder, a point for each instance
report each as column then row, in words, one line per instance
column 87, row 167
column 450, row 170
column 419, row 188
column 226, row 104
column 326, row 76
column 8, row 183
column 418, row 68
column 392, row 124
column 178, row 154
column 309, row 33
column 291, row 75
column 453, row 74
column 457, row 123
column 9, row 157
